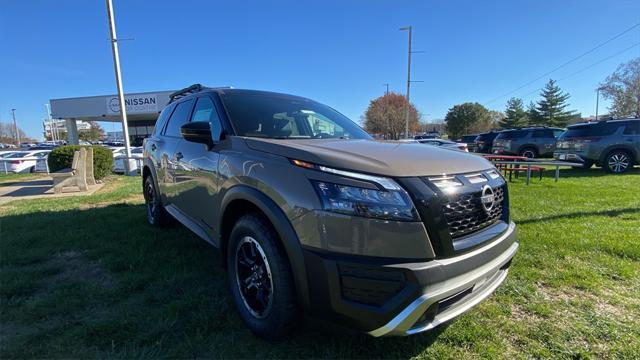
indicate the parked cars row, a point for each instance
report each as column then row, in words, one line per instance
column 612, row 144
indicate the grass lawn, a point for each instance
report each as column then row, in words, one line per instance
column 87, row 277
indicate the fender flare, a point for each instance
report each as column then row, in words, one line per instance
column 281, row 224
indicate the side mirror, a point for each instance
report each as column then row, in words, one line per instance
column 197, row 131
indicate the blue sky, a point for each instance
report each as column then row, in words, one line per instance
column 337, row 52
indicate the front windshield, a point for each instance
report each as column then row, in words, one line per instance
column 278, row 116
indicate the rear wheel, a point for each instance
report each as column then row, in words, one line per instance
column 156, row 214
column 260, row 278
column 529, row 153
column 617, row 162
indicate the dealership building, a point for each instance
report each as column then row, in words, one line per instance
column 142, row 112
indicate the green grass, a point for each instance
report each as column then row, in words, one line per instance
column 12, row 177
column 87, row 277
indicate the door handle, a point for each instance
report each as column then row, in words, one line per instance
column 153, row 147
column 179, row 156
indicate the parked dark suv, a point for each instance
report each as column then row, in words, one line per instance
column 484, row 142
column 612, row 144
column 312, row 216
column 530, row 142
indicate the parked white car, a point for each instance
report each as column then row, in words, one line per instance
column 24, row 161
column 120, row 158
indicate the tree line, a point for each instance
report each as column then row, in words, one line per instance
column 386, row 115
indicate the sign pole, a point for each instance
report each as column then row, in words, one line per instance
column 116, row 65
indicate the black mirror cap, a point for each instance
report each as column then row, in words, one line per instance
column 197, row 131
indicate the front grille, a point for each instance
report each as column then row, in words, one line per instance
column 370, row 285
column 465, row 214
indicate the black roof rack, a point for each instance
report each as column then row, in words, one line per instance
column 195, row 88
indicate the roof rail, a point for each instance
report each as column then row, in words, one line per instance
column 195, row 88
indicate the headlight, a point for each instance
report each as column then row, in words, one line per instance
column 356, row 201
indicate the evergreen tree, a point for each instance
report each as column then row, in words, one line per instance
column 551, row 108
column 515, row 115
column 533, row 116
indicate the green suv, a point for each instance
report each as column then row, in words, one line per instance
column 530, row 142
column 612, row 144
column 314, row 217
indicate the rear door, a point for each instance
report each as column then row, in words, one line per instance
column 631, row 137
column 197, row 176
column 154, row 145
column 545, row 140
column 166, row 150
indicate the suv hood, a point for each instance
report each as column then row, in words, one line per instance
column 389, row 158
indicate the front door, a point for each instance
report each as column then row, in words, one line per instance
column 197, row 178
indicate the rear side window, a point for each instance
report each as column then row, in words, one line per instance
column 206, row 111
column 179, row 117
column 512, row 134
column 632, row 128
column 162, row 119
column 544, row 133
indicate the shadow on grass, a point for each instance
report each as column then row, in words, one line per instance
column 609, row 213
column 100, row 282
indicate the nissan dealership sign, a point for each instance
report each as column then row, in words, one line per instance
column 135, row 104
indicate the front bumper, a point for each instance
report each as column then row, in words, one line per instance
column 382, row 298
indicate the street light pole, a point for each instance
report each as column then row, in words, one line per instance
column 116, row 65
column 387, row 85
column 15, row 126
column 408, row 106
column 53, row 135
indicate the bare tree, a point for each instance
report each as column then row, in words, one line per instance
column 386, row 116
column 623, row 88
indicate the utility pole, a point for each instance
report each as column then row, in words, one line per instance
column 116, row 65
column 15, row 126
column 409, row 81
column 597, row 101
column 387, row 85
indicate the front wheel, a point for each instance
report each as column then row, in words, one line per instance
column 617, row 162
column 260, row 278
column 529, row 153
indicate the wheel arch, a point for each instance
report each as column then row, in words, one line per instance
column 240, row 200
column 628, row 149
column 528, row 146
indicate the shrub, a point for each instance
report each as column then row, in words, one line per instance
column 62, row 157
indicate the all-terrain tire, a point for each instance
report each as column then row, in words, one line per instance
column 281, row 316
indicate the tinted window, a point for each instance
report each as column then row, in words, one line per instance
column 179, row 117
column 286, row 117
column 162, row 119
column 486, row 137
column 544, row 133
column 632, row 128
column 206, row 111
column 512, row 134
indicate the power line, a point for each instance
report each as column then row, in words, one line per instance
column 588, row 67
column 565, row 63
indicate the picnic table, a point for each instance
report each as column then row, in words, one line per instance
column 508, row 163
